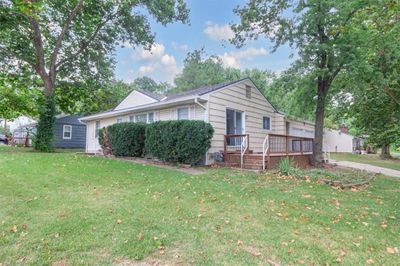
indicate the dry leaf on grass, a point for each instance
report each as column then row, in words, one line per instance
column 391, row 250
column 119, row 221
column 370, row 261
column 139, row 237
column 14, row 229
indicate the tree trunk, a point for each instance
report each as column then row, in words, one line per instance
column 317, row 158
column 385, row 152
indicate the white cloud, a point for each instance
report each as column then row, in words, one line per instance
column 154, row 63
column 218, row 32
column 234, row 59
column 176, row 46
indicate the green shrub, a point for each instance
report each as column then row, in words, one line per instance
column 183, row 141
column 286, row 166
column 127, row 139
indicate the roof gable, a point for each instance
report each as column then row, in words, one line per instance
column 136, row 98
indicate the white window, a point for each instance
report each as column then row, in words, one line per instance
column 150, row 118
column 67, row 132
column 266, row 123
column 141, row 118
column 120, row 120
column 183, row 113
column 97, row 129
column 131, row 118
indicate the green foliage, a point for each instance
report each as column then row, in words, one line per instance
column 148, row 84
column 285, row 166
column 183, row 141
column 127, row 139
column 16, row 97
column 43, row 141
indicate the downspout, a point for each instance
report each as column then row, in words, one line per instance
column 196, row 100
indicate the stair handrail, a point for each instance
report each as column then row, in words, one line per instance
column 265, row 149
column 243, row 147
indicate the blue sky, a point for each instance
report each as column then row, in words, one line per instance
column 208, row 29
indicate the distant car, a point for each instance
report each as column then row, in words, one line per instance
column 3, row 139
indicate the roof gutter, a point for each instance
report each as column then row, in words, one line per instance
column 141, row 108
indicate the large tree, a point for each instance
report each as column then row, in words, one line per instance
column 373, row 85
column 74, row 41
column 318, row 30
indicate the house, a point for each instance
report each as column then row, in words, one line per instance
column 249, row 130
column 69, row 132
column 341, row 141
column 16, row 122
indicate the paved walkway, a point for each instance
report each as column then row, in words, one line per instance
column 368, row 167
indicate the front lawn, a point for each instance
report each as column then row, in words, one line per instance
column 72, row 209
column 372, row 159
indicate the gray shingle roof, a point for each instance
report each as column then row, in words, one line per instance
column 202, row 90
column 155, row 96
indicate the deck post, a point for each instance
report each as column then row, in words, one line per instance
column 225, row 143
column 287, row 144
column 301, row 146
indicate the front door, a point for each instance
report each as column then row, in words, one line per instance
column 234, row 125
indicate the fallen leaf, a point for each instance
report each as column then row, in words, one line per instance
column 240, row 242
column 24, row 226
column 119, row 221
column 370, row 261
column 384, row 224
column 390, row 250
column 14, row 229
column 139, row 237
column 273, row 263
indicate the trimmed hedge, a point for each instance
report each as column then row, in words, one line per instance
column 183, row 141
column 127, row 139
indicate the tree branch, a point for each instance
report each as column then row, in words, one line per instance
column 85, row 44
column 38, row 44
column 58, row 44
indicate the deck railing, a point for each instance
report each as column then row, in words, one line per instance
column 233, row 143
column 286, row 145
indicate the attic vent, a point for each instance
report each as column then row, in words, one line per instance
column 248, row 91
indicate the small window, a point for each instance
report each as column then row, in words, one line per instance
column 120, row 120
column 183, row 113
column 248, row 91
column 131, row 118
column 266, row 123
column 67, row 132
column 150, row 118
column 97, row 129
column 141, row 118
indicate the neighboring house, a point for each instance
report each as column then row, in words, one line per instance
column 16, row 122
column 69, row 132
column 240, row 114
column 341, row 141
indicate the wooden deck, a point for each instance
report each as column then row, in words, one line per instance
column 237, row 152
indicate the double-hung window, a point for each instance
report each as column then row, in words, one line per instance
column 183, row 113
column 266, row 123
column 141, row 118
column 97, row 129
column 67, row 132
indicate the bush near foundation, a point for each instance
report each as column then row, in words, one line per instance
column 182, row 141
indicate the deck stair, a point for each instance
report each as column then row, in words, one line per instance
column 250, row 160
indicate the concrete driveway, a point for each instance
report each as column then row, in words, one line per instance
column 368, row 168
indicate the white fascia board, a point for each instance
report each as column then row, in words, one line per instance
column 142, row 108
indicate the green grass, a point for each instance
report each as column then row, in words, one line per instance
column 71, row 205
column 372, row 159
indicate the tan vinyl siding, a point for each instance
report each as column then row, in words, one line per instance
column 196, row 113
column 234, row 97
